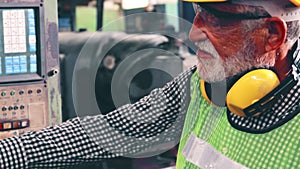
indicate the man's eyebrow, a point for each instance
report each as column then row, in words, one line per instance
column 253, row 14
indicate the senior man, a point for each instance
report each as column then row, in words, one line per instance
column 253, row 46
column 244, row 107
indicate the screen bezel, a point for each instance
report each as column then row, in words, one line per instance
column 40, row 75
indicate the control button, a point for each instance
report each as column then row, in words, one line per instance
column 16, row 124
column 7, row 125
column 3, row 93
column 4, row 114
column 25, row 123
column 14, row 113
column 22, row 107
column 1, row 126
column 39, row 91
column 29, row 91
column 10, row 108
column 12, row 93
column 16, row 108
column 21, row 92
column 4, row 108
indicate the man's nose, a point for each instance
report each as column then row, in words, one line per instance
column 197, row 32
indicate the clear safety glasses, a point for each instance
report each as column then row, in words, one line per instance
column 233, row 11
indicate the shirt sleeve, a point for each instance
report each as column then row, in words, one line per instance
column 132, row 130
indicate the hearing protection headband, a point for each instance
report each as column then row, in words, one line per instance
column 292, row 80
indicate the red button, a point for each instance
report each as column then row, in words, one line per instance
column 16, row 124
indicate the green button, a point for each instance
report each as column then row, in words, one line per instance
column 3, row 94
column 12, row 93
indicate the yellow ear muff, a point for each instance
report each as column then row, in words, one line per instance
column 249, row 89
column 203, row 91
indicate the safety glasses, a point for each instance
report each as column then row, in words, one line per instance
column 232, row 11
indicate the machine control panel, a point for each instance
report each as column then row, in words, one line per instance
column 29, row 97
column 23, row 106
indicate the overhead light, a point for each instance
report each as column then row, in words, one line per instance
column 130, row 4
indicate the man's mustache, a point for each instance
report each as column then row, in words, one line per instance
column 207, row 46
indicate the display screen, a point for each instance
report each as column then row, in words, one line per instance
column 19, row 48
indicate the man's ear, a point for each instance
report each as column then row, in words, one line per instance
column 277, row 33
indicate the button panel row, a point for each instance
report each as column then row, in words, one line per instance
column 17, row 124
column 21, row 92
column 10, row 108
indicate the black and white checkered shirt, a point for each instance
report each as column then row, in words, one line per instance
column 128, row 131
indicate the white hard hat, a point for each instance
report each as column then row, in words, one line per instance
column 288, row 10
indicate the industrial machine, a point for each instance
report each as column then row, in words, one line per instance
column 29, row 84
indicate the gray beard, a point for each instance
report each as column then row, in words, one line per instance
column 216, row 69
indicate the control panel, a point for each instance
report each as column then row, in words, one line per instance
column 30, row 96
column 23, row 106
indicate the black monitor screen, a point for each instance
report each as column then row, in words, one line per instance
column 19, row 51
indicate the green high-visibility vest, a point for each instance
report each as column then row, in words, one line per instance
column 277, row 149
